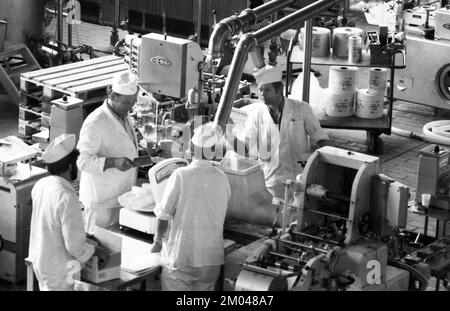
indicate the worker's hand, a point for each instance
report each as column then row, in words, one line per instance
column 156, row 247
column 243, row 102
column 102, row 255
column 122, row 164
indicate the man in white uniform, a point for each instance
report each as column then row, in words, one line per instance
column 195, row 202
column 108, row 145
column 279, row 131
column 57, row 237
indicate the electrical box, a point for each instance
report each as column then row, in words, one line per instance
column 132, row 50
column 168, row 65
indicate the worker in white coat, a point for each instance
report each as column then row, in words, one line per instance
column 57, row 237
column 280, row 132
column 108, row 145
column 194, row 204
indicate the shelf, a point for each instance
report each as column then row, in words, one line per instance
column 297, row 58
column 354, row 122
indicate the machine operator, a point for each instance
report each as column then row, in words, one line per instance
column 57, row 235
column 195, row 202
column 280, row 131
column 108, row 145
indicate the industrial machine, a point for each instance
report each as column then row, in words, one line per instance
column 427, row 33
column 16, row 181
column 328, row 246
column 434, row 176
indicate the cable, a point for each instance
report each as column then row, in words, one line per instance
column 435, row 132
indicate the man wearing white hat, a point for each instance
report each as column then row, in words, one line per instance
column 57, row 236
column 108, row 145
column 279, row 131
column 195, row 202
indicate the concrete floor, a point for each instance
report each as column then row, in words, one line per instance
column 399, row 158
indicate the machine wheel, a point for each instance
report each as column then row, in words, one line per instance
column 374, row 142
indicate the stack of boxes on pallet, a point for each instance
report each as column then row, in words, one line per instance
column 56, row 100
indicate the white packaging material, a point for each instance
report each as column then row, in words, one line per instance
column 321, row 41
column 339, row 104
column 342, row 79
column 377, row 81
column 340, row 40
column 369, row 106
column 316, row 93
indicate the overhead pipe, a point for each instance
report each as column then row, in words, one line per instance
column 232, row 25
column 249, row 41
column 294, row 19
column 246, row 43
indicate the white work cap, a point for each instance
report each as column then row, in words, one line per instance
column 124, row 83
column 59, row 148
column 206, row 135
column 268, row 74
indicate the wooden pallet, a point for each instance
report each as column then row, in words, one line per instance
column 87, row 80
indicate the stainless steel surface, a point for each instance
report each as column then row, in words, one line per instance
column 426, row 79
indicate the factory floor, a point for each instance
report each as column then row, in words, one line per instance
column 399, row 158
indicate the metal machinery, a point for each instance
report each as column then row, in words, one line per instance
column 427, row 29
column 329, row 246
column 349, row 217
column 16, row 181
column 434, row 176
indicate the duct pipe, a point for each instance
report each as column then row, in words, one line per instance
column 306, row 60
column 246, row 43
column 292, row 20
column 59, row 24
column 230, row 26
column 251, row 40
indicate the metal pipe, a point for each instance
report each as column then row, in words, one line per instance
column 246, row 43
column 294, row 19
column 199, row 22
column 284, row 256
column 307, row 44
column 59, row 28
column 230, row 26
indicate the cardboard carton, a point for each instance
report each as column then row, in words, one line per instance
column 113, row 244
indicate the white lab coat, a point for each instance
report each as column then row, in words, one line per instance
column 102, row 135
column 280, row 150
column 57, row 237
column 195, row 201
